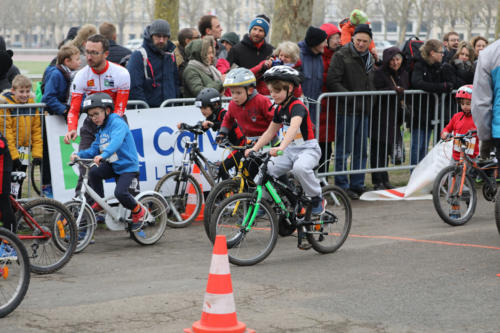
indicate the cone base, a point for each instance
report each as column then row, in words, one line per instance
column 238, row 328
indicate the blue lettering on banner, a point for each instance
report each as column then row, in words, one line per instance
column 159, row 150
column 139, row 145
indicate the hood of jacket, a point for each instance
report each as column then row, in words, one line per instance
column 330, row 29
column 388, row 54
column 198, row 50
column 148, row 43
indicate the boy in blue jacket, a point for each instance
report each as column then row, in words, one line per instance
column 115, row 145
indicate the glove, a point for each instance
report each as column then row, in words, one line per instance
column 220, row 138
column 37, row 161
column 399, row 90
column 16, row 164
column 448, row 86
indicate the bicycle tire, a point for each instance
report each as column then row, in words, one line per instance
column 497, row 211
column 34, row 183
column 215, row 197
column 245, row 248
column 338, row 205
column 154, row 228
column 14, row 274
column 178, row 201
column 52, row 254
column 87, row 226
column 443, row 201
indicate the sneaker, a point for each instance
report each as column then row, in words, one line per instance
column 138, row 219
column 319, row 207
column 7, row 251
column 353, row 195
column 96, row 208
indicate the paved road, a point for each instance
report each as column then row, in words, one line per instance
column 401, row 270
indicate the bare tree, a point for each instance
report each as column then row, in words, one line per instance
column 119, row 10
column 469, row 12
column 318, row 17
column 226, row 8
column 22, row 14
column 190, row 12
column 169, row 11
column 486, row 13
column 403, row 8
column 452, row 10
column 85, row 11
column 291, row 19
column 266, row 7
column 497, row 25
column 346, row 6
column 385, row 8
column 149, row 7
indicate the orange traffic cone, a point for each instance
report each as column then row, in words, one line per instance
column 219, row 313
column 191, row 201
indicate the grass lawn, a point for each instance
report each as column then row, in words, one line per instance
column 31, row 67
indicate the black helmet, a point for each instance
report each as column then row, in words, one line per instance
column 283, row 73
column 98, row 100
column 207, row 97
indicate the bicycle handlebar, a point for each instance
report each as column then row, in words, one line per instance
column 196, row 129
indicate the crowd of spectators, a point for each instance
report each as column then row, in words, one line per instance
column 331, row 59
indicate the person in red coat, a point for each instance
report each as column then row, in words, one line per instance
column 327, row 115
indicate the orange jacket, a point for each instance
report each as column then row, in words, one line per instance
column 347, row 30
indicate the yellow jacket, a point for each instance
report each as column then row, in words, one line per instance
column 20, row 128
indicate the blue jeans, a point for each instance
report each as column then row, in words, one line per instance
column 351, row 140
column 419, row 144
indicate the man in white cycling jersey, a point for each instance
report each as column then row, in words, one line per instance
column 99, row 75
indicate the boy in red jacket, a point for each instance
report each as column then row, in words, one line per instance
column 462, row 122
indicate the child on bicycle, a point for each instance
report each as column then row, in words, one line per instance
column 115, row 154
column 209, row 101
column 462, row 122
column 301, row 151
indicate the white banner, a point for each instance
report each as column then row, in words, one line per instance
column 159, row 145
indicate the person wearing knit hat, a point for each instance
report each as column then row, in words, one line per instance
column 363, row 28
column 159, row 80
column 311, row 50
column 228, row 40
column 315, row 36
column 253, row 52
column 352, row 69
column 348, row 26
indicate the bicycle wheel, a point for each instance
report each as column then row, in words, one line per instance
column 245, row 248
column 454, row 208
column 87, row 225
column 221, row 191
column 183, row 194
column 35, row 177
column 14, row 272
column 47, row 253
column 329, row 236
column 155, row 223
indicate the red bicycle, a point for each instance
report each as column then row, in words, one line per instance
column 46, row 228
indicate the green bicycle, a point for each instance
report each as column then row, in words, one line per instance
column 252, row 222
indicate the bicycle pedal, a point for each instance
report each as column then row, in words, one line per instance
column 304, row 246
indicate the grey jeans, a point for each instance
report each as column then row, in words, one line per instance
column 301, row 160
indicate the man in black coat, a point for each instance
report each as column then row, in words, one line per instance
column 116, row 52
column 253, row 48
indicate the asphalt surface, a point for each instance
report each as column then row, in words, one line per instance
column 401, row 270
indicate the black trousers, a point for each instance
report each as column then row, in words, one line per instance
column 123, row 181
column 379, row 151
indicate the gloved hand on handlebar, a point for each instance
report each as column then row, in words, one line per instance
column 37, row 161
column 220, row 137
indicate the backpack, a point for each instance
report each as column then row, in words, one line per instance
column 411, row 52
column 145, row 61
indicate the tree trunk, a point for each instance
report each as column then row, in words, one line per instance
column 291, row 20
column 497, row 25
column 403, row 20
column 169, row 11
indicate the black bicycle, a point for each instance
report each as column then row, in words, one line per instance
column 252, row 223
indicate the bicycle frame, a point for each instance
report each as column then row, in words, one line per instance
column 31, row 222
column 196, row 157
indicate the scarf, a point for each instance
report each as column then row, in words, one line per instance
column 209, row 70
column 365, row 56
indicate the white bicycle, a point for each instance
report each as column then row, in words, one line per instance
column 116, row 217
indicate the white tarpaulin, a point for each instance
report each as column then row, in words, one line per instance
column 422, row 178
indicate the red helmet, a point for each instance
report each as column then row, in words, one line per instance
column 464, row 92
